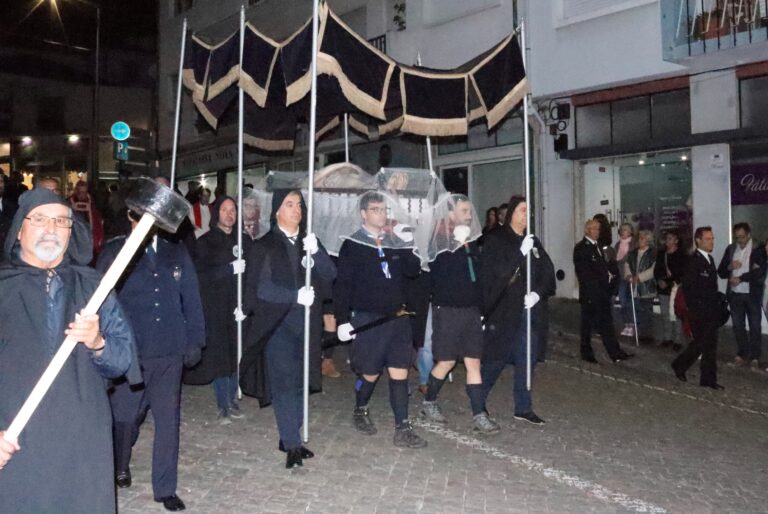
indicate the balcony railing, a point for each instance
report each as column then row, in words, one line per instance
column 380, row 42
column 697, row 27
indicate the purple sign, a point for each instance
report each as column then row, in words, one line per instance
column 749, row 184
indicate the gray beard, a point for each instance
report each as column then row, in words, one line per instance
column 47, row 254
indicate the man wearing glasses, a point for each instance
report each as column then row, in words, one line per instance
column 371, row 269
column 65, row 463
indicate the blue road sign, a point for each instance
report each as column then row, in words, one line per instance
column 120, row 131
column 121, row 151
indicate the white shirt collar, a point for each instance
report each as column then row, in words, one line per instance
column 590, row 240
column 702, row 252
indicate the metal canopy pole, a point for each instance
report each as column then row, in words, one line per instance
column 346, row 137
column 310, row 194
column 240, row 122
column 527, row 168
column 178, row 103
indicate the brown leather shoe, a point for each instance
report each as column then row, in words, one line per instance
column 329, row 370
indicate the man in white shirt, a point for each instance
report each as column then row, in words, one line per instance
column 743, row 265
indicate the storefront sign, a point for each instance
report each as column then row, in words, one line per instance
column 749, row 184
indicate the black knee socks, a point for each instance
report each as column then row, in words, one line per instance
column 398, row 398
column 434, row 385
column 364, row 392
column 476, row 398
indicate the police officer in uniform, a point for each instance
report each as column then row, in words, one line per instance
column 370, row 287
column 161, row 299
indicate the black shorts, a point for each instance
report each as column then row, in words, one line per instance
column 456, row 333
column 386, row 346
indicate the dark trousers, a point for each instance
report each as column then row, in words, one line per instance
column 285, row 356
column 704, row 343
column 162, row 394
column 598, row 315
column 745, row 310
column 226, row 392
column 491, row 369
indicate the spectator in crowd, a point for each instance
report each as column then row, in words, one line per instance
column 744, row 267
column 595, row 274
column 217, row 268
column 704, row 311
column 50, row 183
column 624, row 245
column 84, row 205
column 638, row 274
column 65, row 460
column 200, row 215
column 668, row 272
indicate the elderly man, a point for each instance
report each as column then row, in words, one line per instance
column 65, row 462
column 595, row 274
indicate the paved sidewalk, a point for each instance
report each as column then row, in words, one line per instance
column 618, row 438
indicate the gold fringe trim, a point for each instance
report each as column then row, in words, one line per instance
column 209, row 117
column 357, row 36
column 188, row 79
column 300, row 87
column 391, row 126
column 506, row 104
column 255, row 91
column 494, row 53
column 366, row 103
column 221, row 85
column 359, row 126
column 270, row 145
column 432, row 127
column 335, row 122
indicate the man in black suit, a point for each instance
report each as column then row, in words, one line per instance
column 595, row 276
column 700, row 289
column 743, row 265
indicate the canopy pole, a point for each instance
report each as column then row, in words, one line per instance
column 310, row 195
column 240, row 123
column 527, row 167
column 346, row 137
column 178, row 103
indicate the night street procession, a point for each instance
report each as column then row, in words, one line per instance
column 383, row 256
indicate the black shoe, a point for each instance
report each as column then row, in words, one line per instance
column 530, row 417
column 306, row 453
column 123, row 479
column 589, row 358
column 716, row 387
column 172, row 503
column 623, row 356
column 293, row 458
column 680, row 374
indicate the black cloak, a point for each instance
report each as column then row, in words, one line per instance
column 66, row 460
column 214, row 252
column 268, row 261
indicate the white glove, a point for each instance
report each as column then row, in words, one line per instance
column 531, row 299
column 306, row 296
column 404, row 232
column 239, row 316
column 238, row 266
column 461, row 233
column 526, row 245
column 344, row 332
column 310, row 243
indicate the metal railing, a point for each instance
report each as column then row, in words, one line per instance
column 380, row 42
column 695, row 27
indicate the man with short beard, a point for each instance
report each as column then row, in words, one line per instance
column 65, row 462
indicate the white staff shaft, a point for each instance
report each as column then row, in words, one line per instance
column 240, row 122
column 527, row 168
column 92, row 307
column 634, row 313
column 346, row 137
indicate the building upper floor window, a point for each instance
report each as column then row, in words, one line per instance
column 183, row 6
column 567, row 12
column 754, row 102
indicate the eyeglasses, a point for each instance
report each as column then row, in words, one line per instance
column 377, row 210
column 41, row 220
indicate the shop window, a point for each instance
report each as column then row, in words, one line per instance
column 754, row 102
column 631, row 120
column 593, row 125
column 670, row 114
column 494, row 182
column 509, row 132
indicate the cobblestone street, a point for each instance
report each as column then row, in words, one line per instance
column 618, row 438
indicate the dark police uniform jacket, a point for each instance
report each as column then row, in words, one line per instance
column 160, row 295
column 592, row 271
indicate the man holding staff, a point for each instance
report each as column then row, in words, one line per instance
column 62, row 461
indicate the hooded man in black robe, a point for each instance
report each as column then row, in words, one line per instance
column 65, row 463
column 217, row 265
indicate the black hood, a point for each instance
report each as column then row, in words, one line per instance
column 80, row 248
column 278, row 195
column 215, row 210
